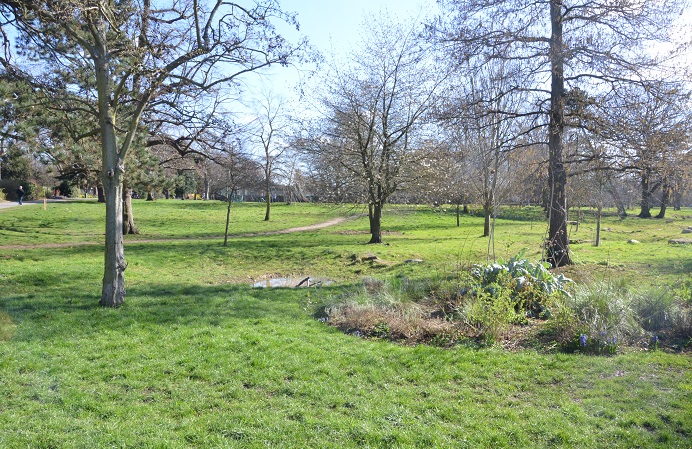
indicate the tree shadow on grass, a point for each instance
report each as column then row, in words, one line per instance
column 58, row 315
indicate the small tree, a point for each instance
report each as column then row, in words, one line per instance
column 270, row 131
column 377, row 109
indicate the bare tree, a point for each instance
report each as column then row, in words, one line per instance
column 483, row 117
column 239, row 170
column 270, row 130
column 376, row 108
column 650, row 128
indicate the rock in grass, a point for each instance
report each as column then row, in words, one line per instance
column 680, row 241
column 687, row 231
column 633, row 242
column 365, row 257
column 413, row 261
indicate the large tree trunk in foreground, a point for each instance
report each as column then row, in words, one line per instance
column 487, row 212
column 128, row 216
column 486, row 221
column 558, row 242
column 113, row 290
column 375, row 223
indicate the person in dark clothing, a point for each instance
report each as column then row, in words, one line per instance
column 20, row 194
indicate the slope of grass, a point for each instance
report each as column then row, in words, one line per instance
column 199, row 358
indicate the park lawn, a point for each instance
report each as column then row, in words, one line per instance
column 199, row 358
column 80, row 221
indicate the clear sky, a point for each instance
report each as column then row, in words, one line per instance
column 333, row 27
column 335, row 24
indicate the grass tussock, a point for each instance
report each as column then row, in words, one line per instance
column 386, row 309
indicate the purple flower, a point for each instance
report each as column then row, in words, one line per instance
column 582, row 340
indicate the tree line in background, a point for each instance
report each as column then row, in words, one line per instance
column 493, row 102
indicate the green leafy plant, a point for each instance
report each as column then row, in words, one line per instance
column 531, row 283
column 491, row 310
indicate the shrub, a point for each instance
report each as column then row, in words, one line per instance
column 599, row 317
column 491, row 310
column 532, row 286
column 9, row 188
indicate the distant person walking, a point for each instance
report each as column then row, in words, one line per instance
column 20, row 194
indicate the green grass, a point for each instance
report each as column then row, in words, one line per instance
column 199, row 358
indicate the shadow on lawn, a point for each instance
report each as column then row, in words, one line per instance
column 59, row 314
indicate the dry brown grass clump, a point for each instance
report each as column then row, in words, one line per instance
column 405, row 322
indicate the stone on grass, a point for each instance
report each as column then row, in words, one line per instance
column 633, row 242
column 680, row 241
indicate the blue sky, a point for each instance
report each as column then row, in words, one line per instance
column 335, row 24
column 333, row 27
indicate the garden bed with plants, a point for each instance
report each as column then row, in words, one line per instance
column 518, row 304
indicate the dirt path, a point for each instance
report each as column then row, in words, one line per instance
column 332, row 222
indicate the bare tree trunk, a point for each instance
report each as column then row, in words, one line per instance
column 599, row 211
column 150, row 196
column 228, row 218
column 622, row 212
column 113, row 289
column 269, row 199
column 128, row 216
column 375, row 223
column 458, row 215
column 677, row 195
column 665, row 199
column 558, row 241
column 99, row 194
column 645, row 211
column 487, row 210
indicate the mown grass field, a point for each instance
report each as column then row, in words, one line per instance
column 198, row 358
